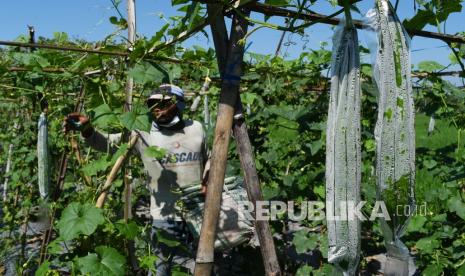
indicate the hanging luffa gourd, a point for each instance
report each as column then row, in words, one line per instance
column 43, row 157
column 394, row 133
column 343, row 154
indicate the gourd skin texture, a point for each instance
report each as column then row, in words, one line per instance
column 343, row 153
column 43, row 157
column 394, row 131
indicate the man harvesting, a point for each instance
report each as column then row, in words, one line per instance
column 184, row 142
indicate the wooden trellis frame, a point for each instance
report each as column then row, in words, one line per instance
column 229, row 54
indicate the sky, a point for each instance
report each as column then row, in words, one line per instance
column 88, row 19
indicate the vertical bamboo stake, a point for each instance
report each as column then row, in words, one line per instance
column 245, row 151
column 228, row 98
column 128, row 104
column 7, row 170
column 131, row 9
column 8, row 164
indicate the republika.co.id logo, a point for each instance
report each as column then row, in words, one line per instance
column 319, row 210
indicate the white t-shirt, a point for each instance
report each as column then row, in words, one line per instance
column 183, row 165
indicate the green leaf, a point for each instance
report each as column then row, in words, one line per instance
column 178, row 2
column 461, row 270
column 457, row 205
column 427, row 245
column 430, row 163
column 155, row 152
column 148, row 263
column 324, row 247
column 320, row 191
column 327, row 269
column 277, row 2
column 136, row 119
column 248, row 98
column 430, row 66
column 128, row 230
column 420, row 20
column 163, row 238
column 43, row 269
column 434, row 12
column 304, row 271
column 121, row 150
column 107, row 261
column 94, row 167
column 416, row 224
column 288, row 180
column 315, row 146
column 104, row 117
column 370, row 145
column 174, row 71
column 367, row 70
column 79, row 219
column 432, row 270
column 304, row 242
column 333, row 2
column 122, row 23
column 144, row 72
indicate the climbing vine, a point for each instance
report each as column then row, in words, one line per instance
column 286, row 103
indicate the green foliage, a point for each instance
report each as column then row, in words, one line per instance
column 287, row 100
column 277, row 2
column 155, row 152
column 106, row 261
column 128, row 230
column 79, row 219
column 304, row 241
column 433, row 12
column 145, row 72
column 136, row 119
column 430, row 66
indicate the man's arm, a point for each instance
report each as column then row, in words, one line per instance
column 102, row 141
column 97, row 140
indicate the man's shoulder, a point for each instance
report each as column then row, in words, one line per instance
column 193, row 124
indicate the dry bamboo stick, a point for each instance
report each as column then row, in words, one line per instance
column 245, row 152
column 114, row 171
column 131, row 10
column 265, row 237
column 8, row 163
column 128, row 104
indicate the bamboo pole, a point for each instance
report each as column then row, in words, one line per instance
column 228, row 97
column 90, row 51
column 8, row 164
column 245, row 151
column 114, row 171
column 128, row 104
column 131, row 10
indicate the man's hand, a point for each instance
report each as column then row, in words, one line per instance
column 79, row 122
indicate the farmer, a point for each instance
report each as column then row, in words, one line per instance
column 184, row 141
